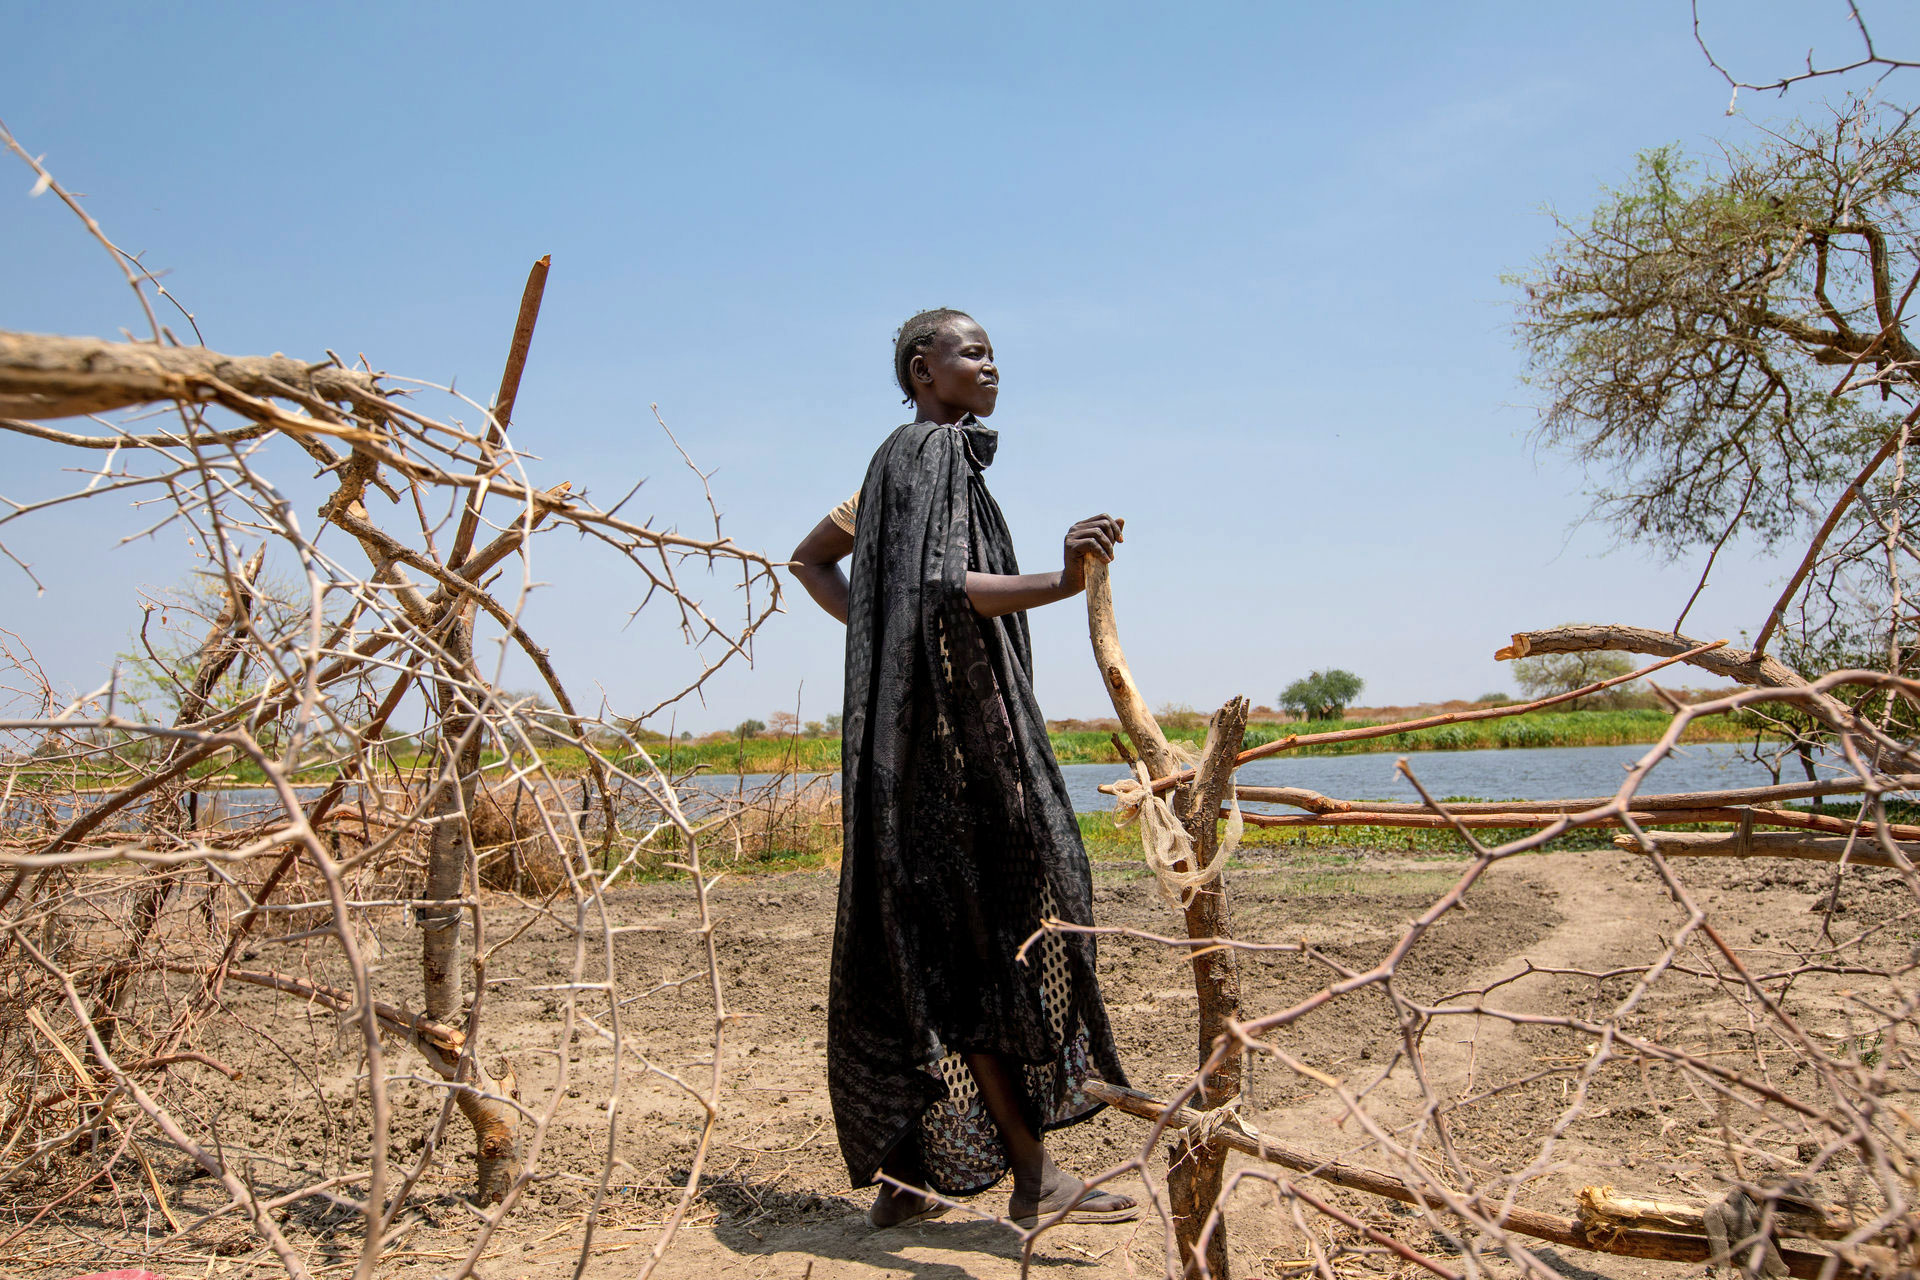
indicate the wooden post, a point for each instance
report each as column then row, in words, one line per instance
column 536, row 289
column 1195, row 1172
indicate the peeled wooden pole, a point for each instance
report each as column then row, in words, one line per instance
column 1616, row 1238
column 1196, row 1170
column 1301, row 798
column 522, row 342
column 1135, row 718
column 1546, row 815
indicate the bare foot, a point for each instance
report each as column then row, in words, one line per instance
column 1059, row 1190
column 894, row 1207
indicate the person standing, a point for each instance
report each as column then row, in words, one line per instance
column 950, row 1054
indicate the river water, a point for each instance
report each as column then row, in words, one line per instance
column 1519, row 773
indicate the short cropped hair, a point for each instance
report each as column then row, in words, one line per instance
column 915, row 337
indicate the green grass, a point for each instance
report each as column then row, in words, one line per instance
column 1317, row 860
column 774, row 861
column 1544, row 729
column 1561, row 729
column 751, row 755
column 1108, row 843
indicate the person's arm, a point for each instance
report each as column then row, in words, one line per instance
column 816, row 566
column 994, row 594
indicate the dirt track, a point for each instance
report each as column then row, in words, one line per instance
column 776, row 1200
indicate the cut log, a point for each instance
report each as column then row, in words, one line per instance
column 1630, row 1242
column 1745, row 666
column 1737, row 665
column 1603, row 1211
column 47, row 376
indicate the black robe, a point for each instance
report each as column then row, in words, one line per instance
column 959, row 838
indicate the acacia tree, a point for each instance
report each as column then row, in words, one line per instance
column 163, row 670
column 1548, row 674
column 1724, row 345
column 1322, row 695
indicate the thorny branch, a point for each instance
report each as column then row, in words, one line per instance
column 1779, row 1083
column 397, row 788
column 1869, row 58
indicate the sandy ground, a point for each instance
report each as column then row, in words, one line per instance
column 775, row 1200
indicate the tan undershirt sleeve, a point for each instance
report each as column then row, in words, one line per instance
column 846, row 513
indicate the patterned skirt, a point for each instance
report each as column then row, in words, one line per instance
column 960, row 1146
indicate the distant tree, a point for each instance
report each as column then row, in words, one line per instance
column 833, row 723
column 1179, row 715
column 1546, row 674
column 542, row 722
column 815, row 729
column 162, row 667
column 783, row 724
column 1497, row 696
column 1322, row 695
column 750, row 728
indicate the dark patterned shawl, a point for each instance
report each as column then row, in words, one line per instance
column 957, row 823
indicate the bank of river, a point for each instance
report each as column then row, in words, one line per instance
column 1519, row 773
column 761, row 757
column 1086, row 746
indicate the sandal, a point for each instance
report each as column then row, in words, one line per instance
column 928, row 1214
column 1126, row 1213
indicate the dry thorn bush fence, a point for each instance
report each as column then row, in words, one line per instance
column 1808, row 1168
column 1779, row 1068
column 131, row 906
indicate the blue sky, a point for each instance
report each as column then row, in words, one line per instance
column 1241, row 263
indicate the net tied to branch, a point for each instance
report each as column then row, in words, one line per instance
column 1164, row 839
column 1739, row 1239
column 1225, row 1117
